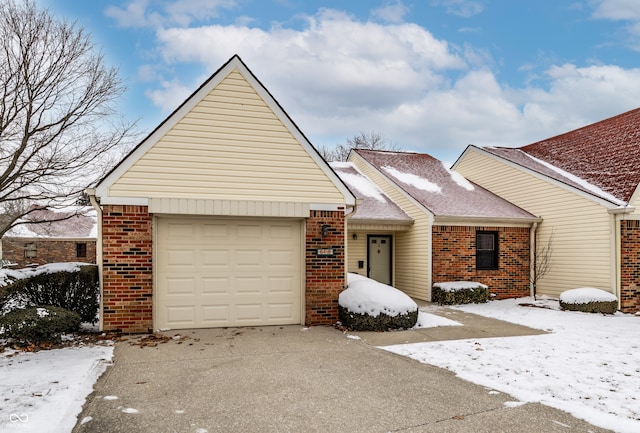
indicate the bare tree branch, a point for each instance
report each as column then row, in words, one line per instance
column 365, row 140
column 58, row 124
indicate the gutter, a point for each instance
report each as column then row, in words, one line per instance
column 91, row 192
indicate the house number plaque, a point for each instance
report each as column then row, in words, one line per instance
column 325, row 251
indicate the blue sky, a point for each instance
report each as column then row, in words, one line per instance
column 430, row 75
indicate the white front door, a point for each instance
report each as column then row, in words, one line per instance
column 379, row 258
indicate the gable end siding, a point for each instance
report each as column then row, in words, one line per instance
column 579, row 228
column 229, row 146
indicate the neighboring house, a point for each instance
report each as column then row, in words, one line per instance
column 438, row 226
column 225, row 215
column 584, row 185
column 70, row 236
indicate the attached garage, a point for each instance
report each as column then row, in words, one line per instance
column 214, row 272
column 225, row 215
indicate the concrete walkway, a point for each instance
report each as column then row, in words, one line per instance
column 297, row 379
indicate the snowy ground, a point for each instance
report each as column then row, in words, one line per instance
column 44, row 391
column 589, row 365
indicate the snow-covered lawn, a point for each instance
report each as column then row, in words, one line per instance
column 589, row 365
column 44, row 391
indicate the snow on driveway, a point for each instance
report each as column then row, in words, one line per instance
column 589, row 365
column 44, row 391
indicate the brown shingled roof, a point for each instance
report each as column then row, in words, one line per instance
column 429, row 182
column 605, row 154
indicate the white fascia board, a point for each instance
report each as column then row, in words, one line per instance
column 567, row 187
column 133, row 201
column 485, row 221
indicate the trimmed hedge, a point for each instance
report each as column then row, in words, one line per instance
column 76, row 291
column 37, row 325
column 381, row 322
column 476, row 295
column 604, row 307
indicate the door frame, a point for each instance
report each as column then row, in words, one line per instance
column 390, row 240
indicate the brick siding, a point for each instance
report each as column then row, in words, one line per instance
column 454, row 259
column 325, row 274
column 127, row 269
column 630, row 266
column 47, row 251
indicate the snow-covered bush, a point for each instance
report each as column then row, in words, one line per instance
column 367, row 305
column 73, row 286
column 459, row 292
column 589, row 300
column 37, row 325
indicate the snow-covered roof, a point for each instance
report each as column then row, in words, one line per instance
column 443, row 192
column 374, row 205
column 602, row 159
column 77, row 222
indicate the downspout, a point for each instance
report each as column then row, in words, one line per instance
column 532, row 259
column 347, row 216
column 91, row 192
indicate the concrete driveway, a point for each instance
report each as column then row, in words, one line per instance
column 297, row 379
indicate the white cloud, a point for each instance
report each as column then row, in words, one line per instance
column 142, row 13
column 628, row 10
column 337, row 76
column 392, row 12
column 461, row 8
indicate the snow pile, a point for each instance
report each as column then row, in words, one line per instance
column 454, row 286
column 7, row 275
column 413, row 180
column 588, row 366
column 44, row 391
column 458, row 178
column 586, row 295
column 366, row 296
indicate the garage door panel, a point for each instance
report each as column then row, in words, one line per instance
column 280, row 285
column 218, row 259
column 216, row 285
column 181, row 286
column 215, row 231
column 249, row 259
column 249, row 286
column 224, row 272
column 215, row 315
column 284, row 311
column 181, row 258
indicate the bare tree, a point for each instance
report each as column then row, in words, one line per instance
column 541, row 261
column 365, row 140
column 58, row 124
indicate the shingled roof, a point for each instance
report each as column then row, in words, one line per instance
column 443, row 192
column 602, row 159
column 374, row 204
column 69, row 223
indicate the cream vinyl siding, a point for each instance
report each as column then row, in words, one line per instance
column 412, row 259
column 357, row 250
column 230, row 146
column 581, row 228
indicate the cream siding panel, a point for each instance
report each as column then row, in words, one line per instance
column 357, row 250
column 230, row 146
column 582, row 229
column 412, row 260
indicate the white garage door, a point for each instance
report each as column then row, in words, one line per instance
column 224, row 272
